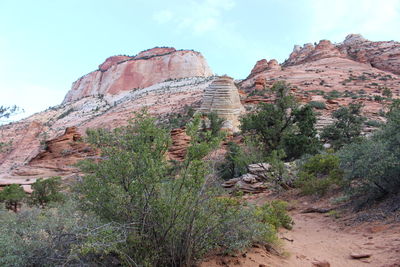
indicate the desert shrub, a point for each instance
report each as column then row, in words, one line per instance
column 178, row 215
column 373, row 123
column 215, row 123
column 346, row 128
column 319, row 173
column 238, row 157
column 378, row 98
column 178, row 120
column 46, row 191
column 283, row 124
column 12, row 196
column 61, row 236
column 275, row 214
column 387, row 92
column 317, row 104
column 372, row 166
column 65, row 113
column 332, row 94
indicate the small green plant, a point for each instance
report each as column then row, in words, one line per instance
column 317, row 104
column 318, row 174
column 275, row 213
column 334, row 214
column 66, row 113
column 12, row 196
column 387, row 92
column 373, row 123
column 46, row 191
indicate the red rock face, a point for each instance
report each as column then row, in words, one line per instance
column 111, row 61
column 381, row 55
column 264, row 65
column 121, row 73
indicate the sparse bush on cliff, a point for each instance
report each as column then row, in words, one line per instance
column 283, row 125
column 317, row 104
column 346, row 128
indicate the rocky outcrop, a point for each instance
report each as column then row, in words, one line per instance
column 381, row 55
column 180, row 142
column 222, row 97
column 309, row 52
column 120, row 74
column 264, row 65
column 63, row 151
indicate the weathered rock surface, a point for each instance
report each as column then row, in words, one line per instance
column 24, row 159
column 180, row 142
column 120, row 74
column 381, row 55
column 222, row 97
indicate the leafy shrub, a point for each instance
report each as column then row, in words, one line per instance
column 387, row 92
column 373, row 123
column 61, row 236
column 283, row 124
column 346, row 128
column 178, row 120
column 238, row 158
column 46, row 191
column 12, row 196
column 319, row 173
column 275, row 214
column 332, row 94
column 372, row 166
column 317, row 104
column 177, row 214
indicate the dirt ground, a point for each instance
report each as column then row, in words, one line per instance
column 322, row 237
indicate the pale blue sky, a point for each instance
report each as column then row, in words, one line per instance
column 45, row 45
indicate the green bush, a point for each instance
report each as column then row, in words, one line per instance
column 319, row 173
column 346, row 128
column 12, row 196
column 373, row 123
column 275, row 214
column 317, row 104
column 237, row 158
column 372, row 166
column 46, row 191
column 177, row 215
column 61, row 236
column 283, row 125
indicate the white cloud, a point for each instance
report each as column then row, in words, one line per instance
column 199, row 17
column 371, row 18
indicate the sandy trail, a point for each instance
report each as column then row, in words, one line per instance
column 317, row 237
column 320, row 237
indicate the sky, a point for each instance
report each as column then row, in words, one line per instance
column 45, row 45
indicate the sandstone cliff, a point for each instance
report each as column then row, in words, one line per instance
column 381, row 55
column 120, row 74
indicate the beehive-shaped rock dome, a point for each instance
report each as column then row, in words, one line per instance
column 222, row 97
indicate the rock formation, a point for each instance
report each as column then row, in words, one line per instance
column 382, row 55
column 124, row 73
column 222, row 97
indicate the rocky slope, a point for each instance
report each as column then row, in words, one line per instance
column 381, row 55
column 333, row 74
column 120, row 74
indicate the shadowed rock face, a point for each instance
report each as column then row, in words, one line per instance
column 123, row 73
column 222, row 97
